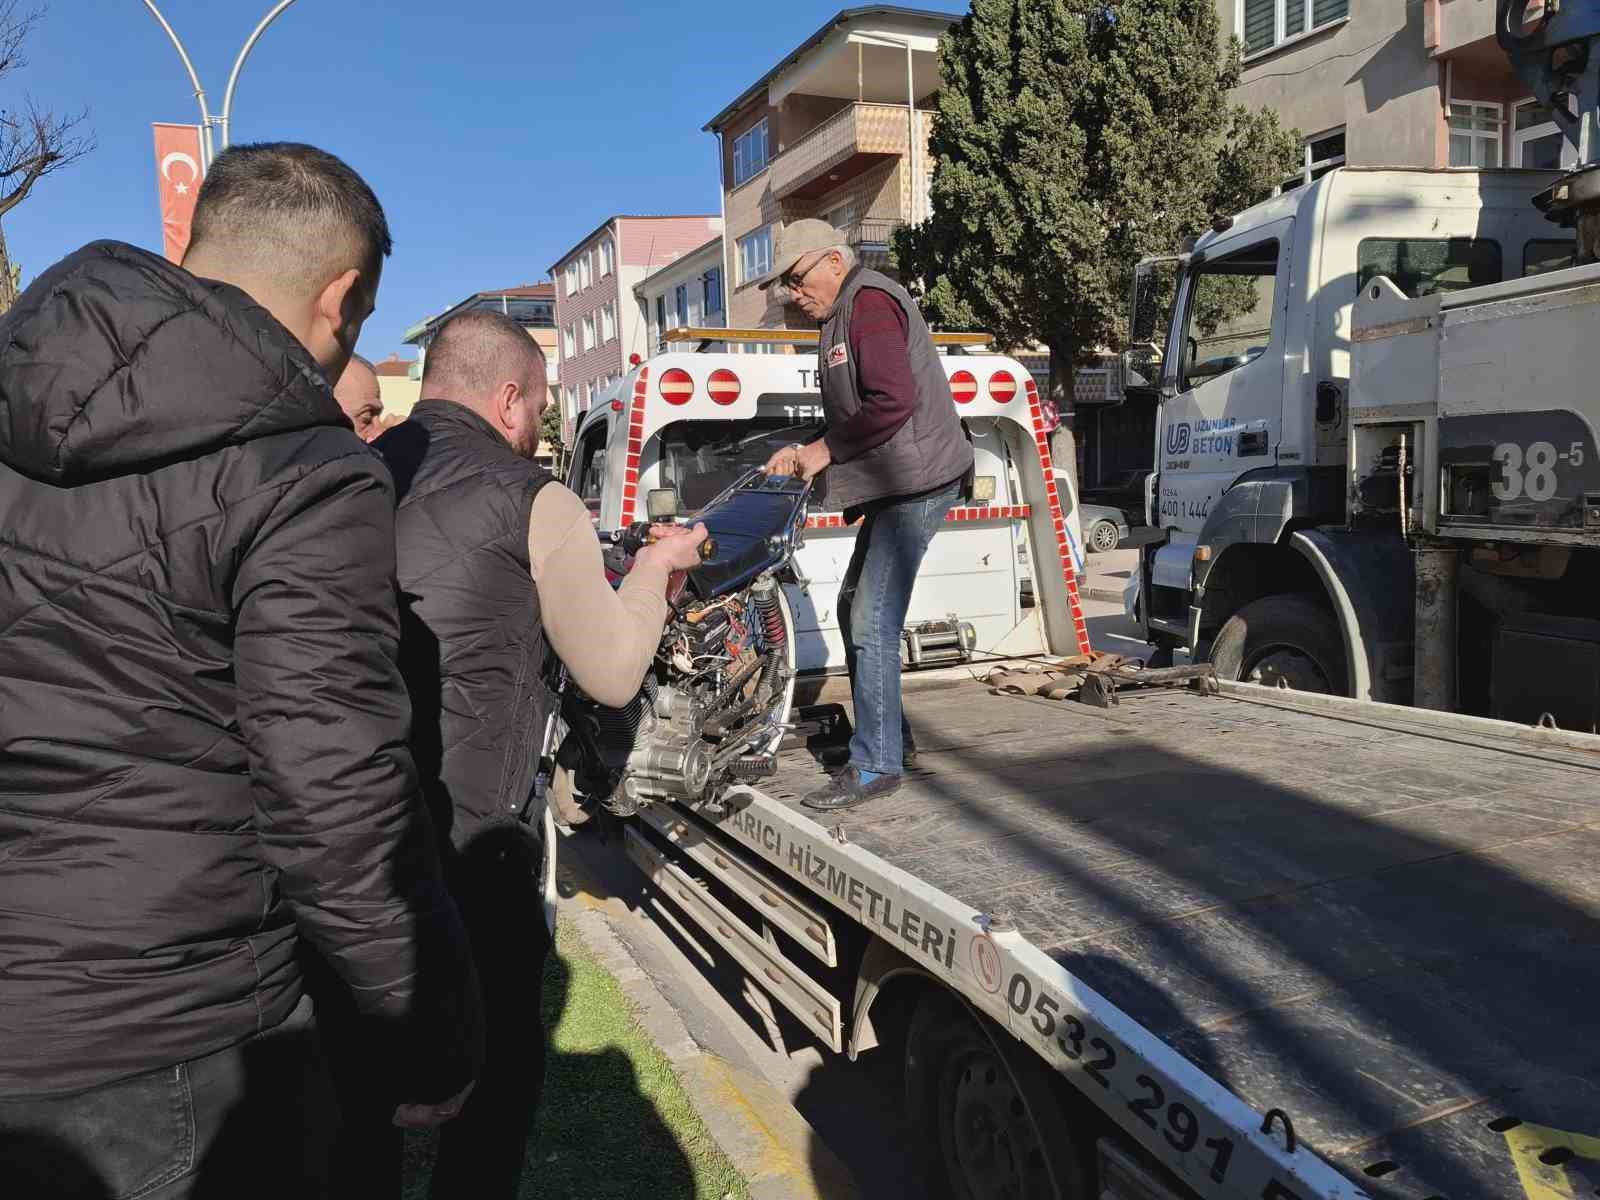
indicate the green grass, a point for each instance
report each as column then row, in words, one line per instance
column 615, row 1123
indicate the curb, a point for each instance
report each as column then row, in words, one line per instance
column 768, row 1142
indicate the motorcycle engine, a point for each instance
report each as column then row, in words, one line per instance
column 711, row 709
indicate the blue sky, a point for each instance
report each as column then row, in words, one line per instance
column 495, row 133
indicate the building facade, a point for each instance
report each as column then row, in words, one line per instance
column 1405, row 83
column 686, row 292
column 837, row 130
column 596, row 313
column 399, row 385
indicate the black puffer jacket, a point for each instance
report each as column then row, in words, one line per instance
column 202, row 724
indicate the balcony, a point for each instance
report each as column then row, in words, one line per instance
column 1463, row 24
column 853, row 140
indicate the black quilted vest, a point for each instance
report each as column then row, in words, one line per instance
column 472, row 644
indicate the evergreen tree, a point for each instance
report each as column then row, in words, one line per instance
column 1073, row 138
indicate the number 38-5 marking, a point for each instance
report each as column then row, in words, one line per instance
column 1531, row 472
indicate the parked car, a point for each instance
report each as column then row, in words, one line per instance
column 1103, row 528
column 1124, row 491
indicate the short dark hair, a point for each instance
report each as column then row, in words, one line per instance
column 289, row 203
column 476, row 351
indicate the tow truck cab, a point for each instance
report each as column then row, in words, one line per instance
column 676, row 430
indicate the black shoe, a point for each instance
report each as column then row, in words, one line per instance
column 845, row 790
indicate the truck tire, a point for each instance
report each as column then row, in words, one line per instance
column 1103, row 537
column 986, row 1119
column 1290, row 639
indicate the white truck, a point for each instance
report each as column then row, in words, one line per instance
column 677, row 429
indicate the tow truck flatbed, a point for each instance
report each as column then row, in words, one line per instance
column 1382, row 922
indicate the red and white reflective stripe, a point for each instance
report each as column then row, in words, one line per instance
column 677, row 386
column 722, row 386
column 1002, row 386
column 963, row 386
column 991, row 512
column 1069, row 573
column 630, row 470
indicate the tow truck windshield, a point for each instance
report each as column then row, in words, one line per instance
column 701, row 458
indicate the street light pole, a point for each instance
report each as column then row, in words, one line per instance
column 199, row 92
column 207, row 147
column 238, row 65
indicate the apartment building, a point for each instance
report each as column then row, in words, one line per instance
column 687, row 292
column 597, row 316
column 1417, row 83
column 838, row 129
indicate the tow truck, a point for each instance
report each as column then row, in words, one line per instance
column 1219, row 940
column 676, row 429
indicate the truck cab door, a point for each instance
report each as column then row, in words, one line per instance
column 1222, row 409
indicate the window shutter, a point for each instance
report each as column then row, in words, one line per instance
column 1259, row 22
column 1324, row 11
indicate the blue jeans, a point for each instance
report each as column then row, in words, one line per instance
column 890, row 543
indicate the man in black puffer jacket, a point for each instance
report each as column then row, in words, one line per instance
column 202, row 721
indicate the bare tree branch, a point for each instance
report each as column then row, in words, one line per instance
column 35, row 141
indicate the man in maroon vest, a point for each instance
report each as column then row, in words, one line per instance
column 896, row 457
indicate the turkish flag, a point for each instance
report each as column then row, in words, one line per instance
column 178, row 183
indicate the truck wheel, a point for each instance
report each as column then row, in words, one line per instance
column 989, row 1123
column 1103, row 537
column 1289, row 639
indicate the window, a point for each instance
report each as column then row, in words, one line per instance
column 608, row 321
column 588, row 476
column 569, row 340
column 1536, row 140
column 1548, row 254
column 701, row 458
column 755, row 254
column 1474, row 134
column 589, row 342
column 585, row 270
column 1230, row 310
column 572, row 278
column 1423, row 266
column 680, row 304
column 750, row 152
column 1318, row 156
column 1263, row 24
column 713, row 291
column 608, row 258
column 661, row 318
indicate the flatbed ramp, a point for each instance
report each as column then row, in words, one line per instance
column 1391, row 936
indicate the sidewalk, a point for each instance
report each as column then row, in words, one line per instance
column 770, row 1144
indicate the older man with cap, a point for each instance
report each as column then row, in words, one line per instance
column 896, row 457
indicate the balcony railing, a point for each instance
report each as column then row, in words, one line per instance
column 854, row 139
column 871, row 234
column 1463, row 23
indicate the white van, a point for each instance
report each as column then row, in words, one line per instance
column 676, row 430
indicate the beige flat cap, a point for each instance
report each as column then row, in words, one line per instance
column 796, row 240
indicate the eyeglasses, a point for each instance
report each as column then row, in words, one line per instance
column 790, row 282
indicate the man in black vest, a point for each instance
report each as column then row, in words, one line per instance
column 896, row 457
column 497, row 562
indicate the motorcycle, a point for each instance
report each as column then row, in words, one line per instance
column 715, row 704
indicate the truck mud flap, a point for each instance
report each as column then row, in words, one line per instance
column 745, row 879
column 803, row 996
